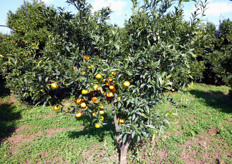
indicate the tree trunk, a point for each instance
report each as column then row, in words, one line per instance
column 123, row 146
column 123, row 152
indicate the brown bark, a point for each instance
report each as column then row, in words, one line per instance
column 122, row 146
column 124, row 150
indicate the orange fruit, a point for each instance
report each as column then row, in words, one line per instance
column 97, row 125
column 107, row 83
column 98, row 76
column 94, row 99
column 110, row 94
column 90, row 67
column 101, row 106
column 73, row 68
column 54, row 85
column 126, row 84
column 101, row 112
column 78, row 101
column 113, row 73
column 110, row 79
column 84, row 91
column 95, row 87
column 93, row 114
column 78, row 114
column 102, row 118
column 119, row 98
column 112, row 87
column 56, row 107
column 122, row 121
column 83, row 105
column 86, row 57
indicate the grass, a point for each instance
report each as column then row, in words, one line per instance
column 200, row 132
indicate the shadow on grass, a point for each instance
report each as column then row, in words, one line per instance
column 90, row 131
column 215, row 99
column 99, row 134
column 7, row 120
column 3, row 90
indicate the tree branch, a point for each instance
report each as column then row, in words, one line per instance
column 115, row 120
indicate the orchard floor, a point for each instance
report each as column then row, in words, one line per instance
column 200, row 132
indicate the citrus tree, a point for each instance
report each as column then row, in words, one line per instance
column 130, row 70
column 24, row 50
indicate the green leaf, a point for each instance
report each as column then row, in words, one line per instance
column 116, row 46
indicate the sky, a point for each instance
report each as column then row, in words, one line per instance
column 216, row 9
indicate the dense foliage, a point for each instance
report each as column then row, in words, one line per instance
column 216, row 53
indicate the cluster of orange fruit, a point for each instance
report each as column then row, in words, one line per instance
column 94, row 92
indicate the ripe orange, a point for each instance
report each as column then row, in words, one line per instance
column 102, row 118
column 122, row 121
column 95, row 87
column 126, row 84
column 101, row 112
column 113, row 73
column 73, row 68
column 84, row 91
column 110, row 94
column 107, row 83
column 94, row 99
column 101, row 106
column 54, row 85
column 112, row 87
column 86, row 57
column 56, row 107
column 78, row 114
column 90, row 67
column 97, row 125
column 83, row 105
column 110, row 79
column 78, row 101
column 98, row 76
